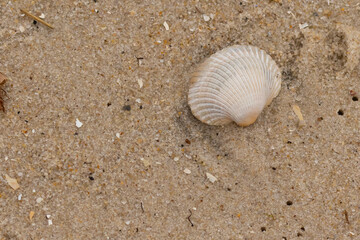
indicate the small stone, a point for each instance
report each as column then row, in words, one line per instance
column 176, row 159
column 50, row 222
column 42, row 16
column 118, row 135
column 22, row 29
column 145, row 162
column 39, row 200
column 127, row 222
column 187, row 171
column 127, row 108
column 19, row 197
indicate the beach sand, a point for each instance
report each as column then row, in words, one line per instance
column 99, row 136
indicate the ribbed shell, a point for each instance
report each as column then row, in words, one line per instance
column 234, row 84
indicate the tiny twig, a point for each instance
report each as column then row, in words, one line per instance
column 201, row 12
column 36, row 18
column 142, row 208
column 189, row 218
column 3, row 79
column 139, row 60
column 346, row 217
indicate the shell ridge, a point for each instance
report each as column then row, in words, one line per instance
column 214, row 79
column 214, row 91
column 205, row 100
column 235, row 73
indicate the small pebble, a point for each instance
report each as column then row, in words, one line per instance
column 118, row 135
column 49, row 222
column 126, row 108
column 42, row 16
column 176, row 159
column 22, row 29
column 39, row 200
column 187, row 171
column 19, row 197
column 127, row 222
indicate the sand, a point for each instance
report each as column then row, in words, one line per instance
column 99, row 136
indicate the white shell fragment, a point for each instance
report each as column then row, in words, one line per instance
column 166, row 26
column 12, row 182
column 304, row 25
column 78, row 123
column 211, row 177
column 187, row 171
column 234, row 84
column 206, row 18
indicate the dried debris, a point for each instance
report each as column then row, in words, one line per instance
column 189, row 218
column 3, row 79
column 346, row 217
column 31, row 215
column 37, row 18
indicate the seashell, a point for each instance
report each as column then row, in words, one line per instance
column 234, row 84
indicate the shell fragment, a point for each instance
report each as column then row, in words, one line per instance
column 211, row 177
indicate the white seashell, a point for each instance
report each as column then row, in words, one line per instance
column 234, row 84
